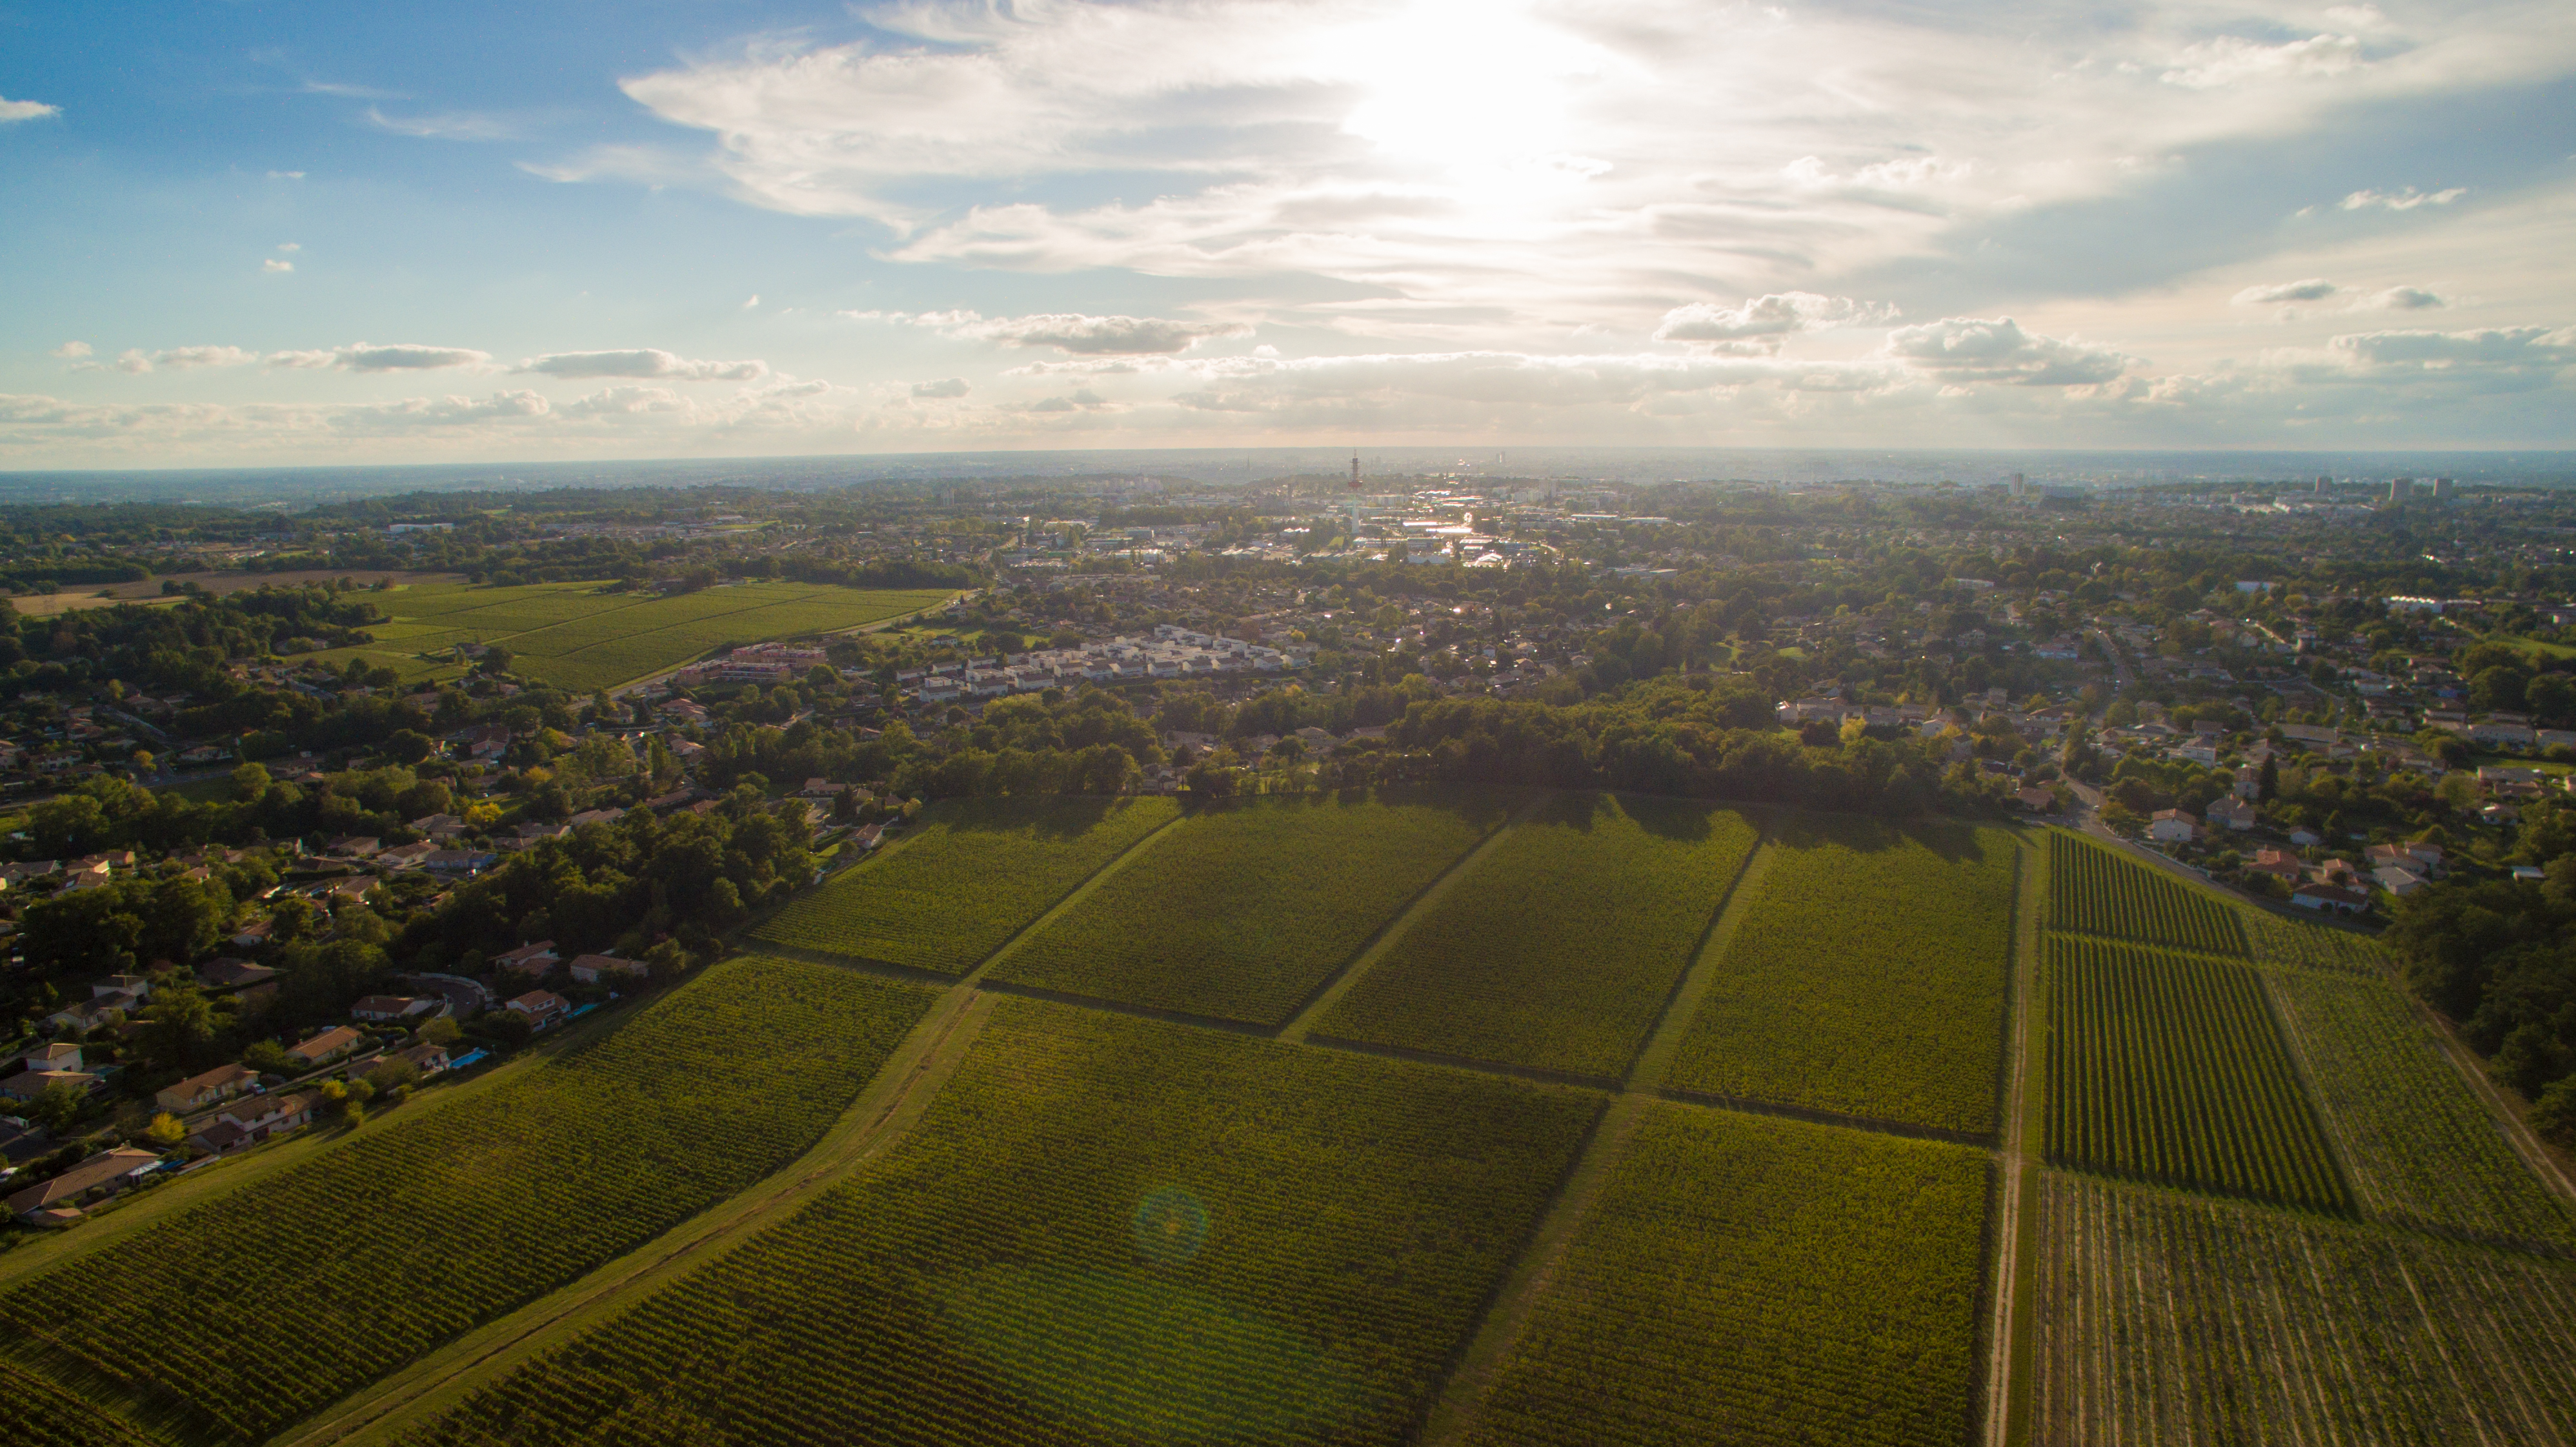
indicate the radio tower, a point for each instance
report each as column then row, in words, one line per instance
column 1355, row 472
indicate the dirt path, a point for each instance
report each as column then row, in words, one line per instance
column 2008, row 1334
column 1302, row 1024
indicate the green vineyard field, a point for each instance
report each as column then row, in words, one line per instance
column 2095, row 890
column 36, row 1413
column 2270, row 938
column 2166, row 1319
column 973, row 873
column 1744, row 1279
column 1868, row 978
column 2168, row 1068
column 1107, row 1231
column 2421, row 1146
column 246, row 1313
column 1560, row 945
column 1244, row 910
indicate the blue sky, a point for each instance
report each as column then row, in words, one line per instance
column 238, row 233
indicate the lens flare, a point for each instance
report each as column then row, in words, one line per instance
column 1170, row 1227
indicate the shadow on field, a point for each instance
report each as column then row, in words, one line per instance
column 1049, row 816
column 1954, row 843
column 1482, row 806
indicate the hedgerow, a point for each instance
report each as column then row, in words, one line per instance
column 2167, row 1067
column 1560, row 946
column 1868, row 977
column 1106, row 1230
column 1245, row 909
column 244, row 1314
column 974, row 873
column 1748, row 1279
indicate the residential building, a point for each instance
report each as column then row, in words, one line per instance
column 58, row 1201
column 544, row 1008
column 2172, row 826
column 326, row 1046
column 385, row 1008
column 211, row 1088
column 586, row 969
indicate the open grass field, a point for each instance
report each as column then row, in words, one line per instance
column 1107, row 1231
column 1868, row 978
column 2421, row 1147
column 2168, row 1319
column 1744, row 1279
column 244, row 1314
column 2095, row 890
column 578, row 637
column 2167, row 1067
column 1560, row 945
column 973, row 873
column 1245, row 909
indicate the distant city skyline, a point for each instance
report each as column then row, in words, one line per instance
column 309, row 235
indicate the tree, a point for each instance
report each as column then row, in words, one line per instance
column 2554, row 1114
column 250, row 782
column 2552, row 697
column 57, row 1106
column 441, row 1031
column 180, row 1032
column 269, row 1058
column 496, row 659
column 408, row 746
column 165, row 1131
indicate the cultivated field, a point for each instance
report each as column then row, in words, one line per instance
column 1868, row 978
column 1107, row 1230
column 242, row 1315
column 36, row 1413
column 2095, row 890
column 1743, row 1279
column 1561, row 944
column 2284, row 941
column 973, row 873
column 2420, row 1145
column 1245, row 909
column 2164, row 1319
column 2167, row 1067
column 578, row 637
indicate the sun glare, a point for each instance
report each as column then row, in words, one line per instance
column 1468, row 86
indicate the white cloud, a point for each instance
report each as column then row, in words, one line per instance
column 2229, row 59
column 273, row 266
column 945, row 387
column 627, row 401
column 70, row 351
column 641, row 362
column 2406, row 200
column 25, row 110
column 1972, row 349
column 753, row 302
column 2463, row 352
column 371, row 357
column 286, row 175
column 180, row 358
column 290, row 246
column 1069, row 332
column 451, row 126
column 2403, row 299
column 1763, row 324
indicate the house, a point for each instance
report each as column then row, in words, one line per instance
column 458, row 861
column 2172, row 826
column 58, row 1201
column 586, row 969
column 28, row 1084
column 262, row 1116
column 2329, row 898
column 2397, row 880
column 409, row 856
column 230, row 974
column 2303, row 836
column 425, row 1058
column 354, row 846
column 596, row 816
column 327, row 1046
column 133, row 987
column 395, row 1007
column 2231, row 813
column 212, row 1088
column 53, row 1057
column 220, row 1137
column 544, row 1008
column 533, row 959
column 820, row 789
column 2280, row 864
column 252, row 935
column 2249, row 782
column 437, row 826
column 483, row 741
column 2037, row 800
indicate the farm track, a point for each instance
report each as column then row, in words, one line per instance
column 1302, row 1022
column 2007, row 1338
column 873, row 1124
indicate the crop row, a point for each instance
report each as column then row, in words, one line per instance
column 1749, row 1279
column 597, row 652
column 36, row 1413
column 2166, row 1319
column 250, row 1311
column 1106, row 1230
column 2287, row 941
column 1868, row 976
column 2168, row 1067
column 1559, row 946
column 2094, row 890
column 972, row 874
column 2420, row 1145
column 1245, row 909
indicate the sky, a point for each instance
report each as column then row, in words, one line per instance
column 276, row 233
